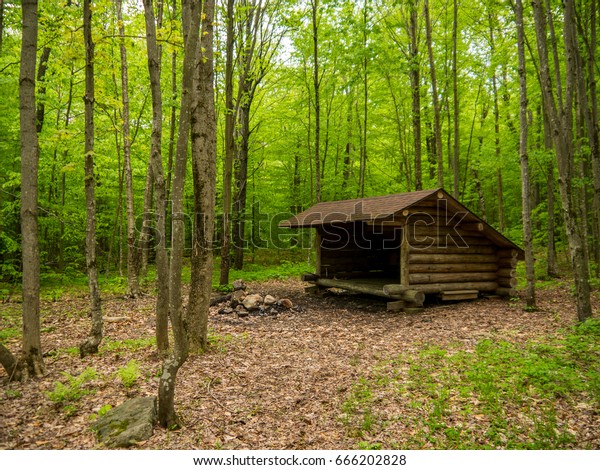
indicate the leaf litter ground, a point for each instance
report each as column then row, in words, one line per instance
column 335, row 372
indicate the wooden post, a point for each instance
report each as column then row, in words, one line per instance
column 318, row 248
column 404, row 256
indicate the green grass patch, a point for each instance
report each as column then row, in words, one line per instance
column 499, row 395
column 135, row 344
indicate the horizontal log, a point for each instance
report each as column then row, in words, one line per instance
column 309, row 277
column 420, row 230
column 426, row 278
column 426, row 258
column 507, row 281
column 507, row 262
column 507, row 272
column 448, row 241
column 454, row 250
column 472, row 226
column 454, row 268
column 404, row 293
column 507, row 253
column 506, row 292
column 488, row 286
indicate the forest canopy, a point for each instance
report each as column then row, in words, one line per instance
column 325, row 99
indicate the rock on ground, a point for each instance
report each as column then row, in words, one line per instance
column 128, row 423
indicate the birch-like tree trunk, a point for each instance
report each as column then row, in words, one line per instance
column 314, row 4
column 91, row 344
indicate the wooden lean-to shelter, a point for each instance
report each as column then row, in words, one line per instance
column 405, row 246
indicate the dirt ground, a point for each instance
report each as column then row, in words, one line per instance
column 272, row 382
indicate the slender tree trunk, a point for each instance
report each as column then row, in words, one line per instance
column 497, row 149
column 348, row 150
column 133, row 285
column 317, row 89
column 241, row 177
column 594, row 132
column 456, row 148
column 156, row 170
column 173, row 120
column 90, row 345
column 204, row 150
column 365, row 77
column 526, row 191
column 229, row 148
column 561, row 122
column 415, row 85
column 32, row 347
column 437, row 126
column 1, row 23
column 166, row 394
column 41, row 75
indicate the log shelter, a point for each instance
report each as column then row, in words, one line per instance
column 406, row 246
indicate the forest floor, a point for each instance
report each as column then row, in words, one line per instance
column 335, row 372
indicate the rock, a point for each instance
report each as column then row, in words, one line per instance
column 287, row 303
column 238, row 296
column 128, row 423
column 273, row 311
column 252, row 301
column 238, row 284
column 269, row 300
column 241, row 311
column 225, row 311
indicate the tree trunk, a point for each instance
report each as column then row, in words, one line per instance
column 437, row 126
column 204, row 150
column 415, row 85
column 90, row 345
column 1, row 23
column 526, row 192
column 32, row 348
column 561, row 122
column 317, row 89
column 156, row 170
column 166, row 394
column 229, row 149
column 241, row 179
column 456, row 148
column 133, row 285
column 41, row 75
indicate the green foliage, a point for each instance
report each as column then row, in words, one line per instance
column 513, row 391
column 101, row 412
column 68, row 392
column 129, row 373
